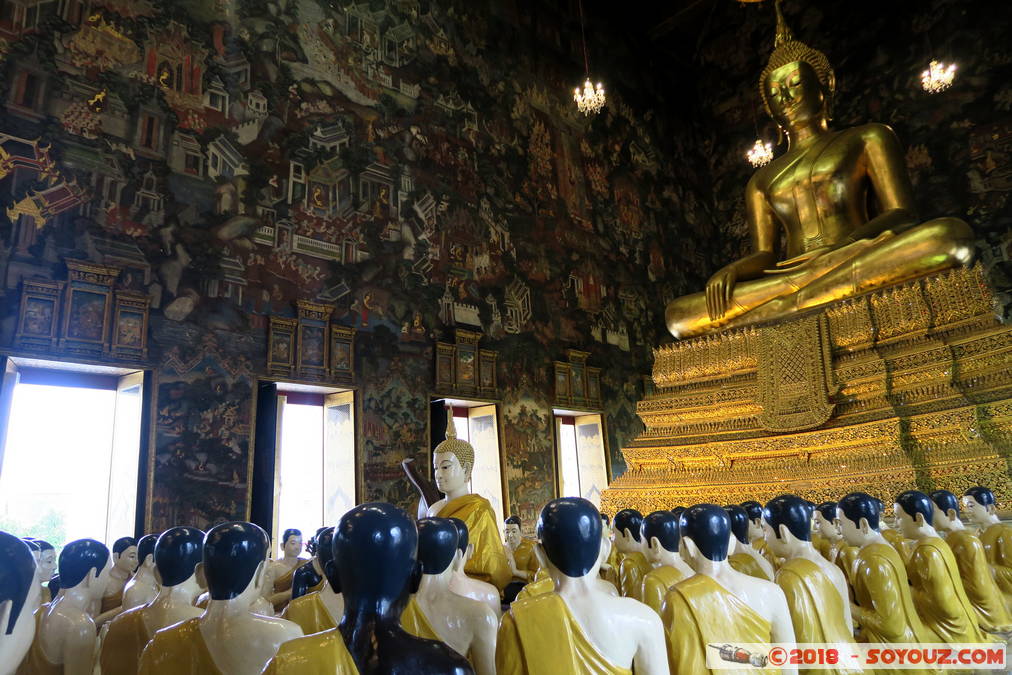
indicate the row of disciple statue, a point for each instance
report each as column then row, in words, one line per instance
column 384, row 593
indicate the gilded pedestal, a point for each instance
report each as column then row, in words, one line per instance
column 910, row 386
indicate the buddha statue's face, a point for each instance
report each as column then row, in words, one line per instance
column 778, row 545
column 127, row 560
column 975, row 511
column 795, row 94
column 827, row 528
column 512, row 535
column 850, row 530
column 450, row 475
column 293, row 546
column 905, row 523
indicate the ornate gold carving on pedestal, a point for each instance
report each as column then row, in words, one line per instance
column 794, row 372
column 914, row 383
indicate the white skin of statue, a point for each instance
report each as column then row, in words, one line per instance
column 513, row 539
column 451, row 479
column 946, row 522
column 625, row 542
column 262, row 603
column 660, row 556
column 68, row 633
column 790, row 547
column 143, row 587
column 738, row 547
column 979, row 515
column 602, row 557
column 123, row 568
column 290, row 551
column 603, row 616
column 240, row 642
column 475, row 589
column 829, row 529
column 915, row 528
column 13, row 647
column 764, row 597
column 466, row 625
column 173, row 604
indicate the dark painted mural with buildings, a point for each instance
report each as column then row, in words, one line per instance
column 413, row 166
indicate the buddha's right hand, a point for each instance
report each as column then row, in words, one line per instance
column 719, row 289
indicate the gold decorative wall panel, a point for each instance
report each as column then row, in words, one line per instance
column 914, row 390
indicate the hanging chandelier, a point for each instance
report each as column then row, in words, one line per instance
column 759, row 154
column 938, row 76
column 591, row 99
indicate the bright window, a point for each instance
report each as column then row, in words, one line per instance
column 70, row 462
column 315, row 460
column 582, row 466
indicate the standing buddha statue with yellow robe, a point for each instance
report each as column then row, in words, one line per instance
column 981, row 588
column 934, row 576
column 817, row 194
column 452, row 463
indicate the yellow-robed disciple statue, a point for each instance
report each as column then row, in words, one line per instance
column 632, row 562
column 660, row 532
column 718, row 605
column 981, row 589
column 577, row 628
column 816, row 589
column 885, row 606
column 995, row 535
column 934, row 576
column 818, row 194
column 452, row 463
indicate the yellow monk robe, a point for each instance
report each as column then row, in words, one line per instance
column 488, row 563
column 699, row 612
column 815, row 604
column 413, row 621
column 310, row 613
column 886, row 607
column 896, row 539
column 320, row 654
column 938, row 593
column 35, row 661
column 46, row 597
column 820, row 543
column 631, row 570
column 614, row 562
column 542, row 584
column 126, row 639
column 111, row 602
column 997, row 540
column 845, row 558
column 539, row 636
column 746, row 564
column 981, row 588
column 656, row 585
column 762, row 549
column 180, row 648
column 524, row 556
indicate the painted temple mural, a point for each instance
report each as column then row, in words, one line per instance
column 383, row 158
column 417, row 166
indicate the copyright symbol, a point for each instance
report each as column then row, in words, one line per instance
column 778, row 656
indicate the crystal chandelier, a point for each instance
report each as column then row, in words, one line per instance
column 591, row 99
column 759, row 154
column 938, row 77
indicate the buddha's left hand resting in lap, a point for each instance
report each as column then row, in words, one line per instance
column 843, row 199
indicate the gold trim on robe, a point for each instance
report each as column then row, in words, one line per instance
column 539, row 636
column 123, row 643
column 35, row 661
column 698, row 612
column 414, row 621
column 180, row 648
column 488, row 563
column 310, row 613
column 938, row 593
column 631, row 570
column 997, row 540
column 886, row 607
column 656, row 585
column 746, row 564
column 815, row 605
column 981, row 588
column 319, row 654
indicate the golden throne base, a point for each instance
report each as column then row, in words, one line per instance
column 905, row 388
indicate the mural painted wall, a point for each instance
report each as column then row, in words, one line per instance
column 958, row 142
column 413, row 165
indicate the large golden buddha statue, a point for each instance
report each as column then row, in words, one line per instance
column 843, row 199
